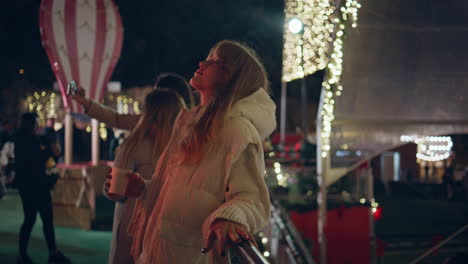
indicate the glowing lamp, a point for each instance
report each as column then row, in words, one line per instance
column 295, row 25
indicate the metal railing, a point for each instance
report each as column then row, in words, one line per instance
column 440, row 244
column 248, row 253
column 296, row 250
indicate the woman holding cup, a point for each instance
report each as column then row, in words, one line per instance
column 208, row 184
column 139, row 153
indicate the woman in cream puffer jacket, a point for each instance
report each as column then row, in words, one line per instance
column 209, row 183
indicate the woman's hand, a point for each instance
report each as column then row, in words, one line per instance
column 227, row 233
column 135, row 186
column 80, row 96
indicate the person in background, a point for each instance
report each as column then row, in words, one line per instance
column 139, row 152
column 7, row 172
column 114, row 144
column 34, row 188
column 6, row 131
column 209, row 182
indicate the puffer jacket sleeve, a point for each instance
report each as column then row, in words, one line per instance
column 247, row 198
column 109, row 116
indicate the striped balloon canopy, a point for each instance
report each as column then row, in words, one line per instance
column 83, row 40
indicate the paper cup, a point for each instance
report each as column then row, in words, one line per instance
column 119, row 181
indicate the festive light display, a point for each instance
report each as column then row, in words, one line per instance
column 306, row 49
column 331, row 85
column 44, row 104
column 430, row 148
column 47, row 105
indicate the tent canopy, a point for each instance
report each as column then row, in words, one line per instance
column 405, row 72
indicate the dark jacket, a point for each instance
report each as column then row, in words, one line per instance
column 30, row 161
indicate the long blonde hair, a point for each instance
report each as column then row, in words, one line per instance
column 161, row 109
column 246, row 75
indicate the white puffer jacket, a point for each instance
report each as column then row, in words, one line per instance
column 181, row 201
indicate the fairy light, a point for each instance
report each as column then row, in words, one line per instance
column 125, row 108
column 306, row 52
column 332, row 85
column 44, row 104
column 430, row 148
column 136, row 107
column 103, row 131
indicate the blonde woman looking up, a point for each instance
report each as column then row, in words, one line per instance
column 208, row 189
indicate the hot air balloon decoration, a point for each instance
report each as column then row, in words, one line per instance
column 83, row 40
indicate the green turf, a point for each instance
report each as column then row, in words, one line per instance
column 81, row 246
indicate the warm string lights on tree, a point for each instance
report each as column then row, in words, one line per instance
column 307, row 37
column 430, row 148
column 44, row 104
column 332, row 85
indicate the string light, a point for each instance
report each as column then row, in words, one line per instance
column 136, row 107
column 103, row 131
column 306, row 51
column 44, row 104
column 332, row 87
column 430, row 148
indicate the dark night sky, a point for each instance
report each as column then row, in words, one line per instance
column 162, row 35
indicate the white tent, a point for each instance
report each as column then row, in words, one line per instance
column 404, row 72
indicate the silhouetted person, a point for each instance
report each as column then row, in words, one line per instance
column 6, row 129
column 34, row 189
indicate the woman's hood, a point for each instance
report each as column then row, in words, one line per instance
column 259, row 109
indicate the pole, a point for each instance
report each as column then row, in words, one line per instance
column 283, row 115
column 369, row 197
column 304, row 107
column 304, row 95
column 94, row 141
column 322, row 168
column 68, row 138
column 322, row 215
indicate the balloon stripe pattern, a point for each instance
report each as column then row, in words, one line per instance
column 83, row 40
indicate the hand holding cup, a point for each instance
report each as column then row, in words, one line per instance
column 123, row 183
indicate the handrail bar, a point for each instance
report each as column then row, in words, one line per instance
column 291, row 235
column 249, row 253
column 440, row 244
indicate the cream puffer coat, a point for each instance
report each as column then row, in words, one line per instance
column 172, row 217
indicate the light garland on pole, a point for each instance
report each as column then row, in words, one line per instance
column 431, row 148
column 332, row 84
column 306, row 53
